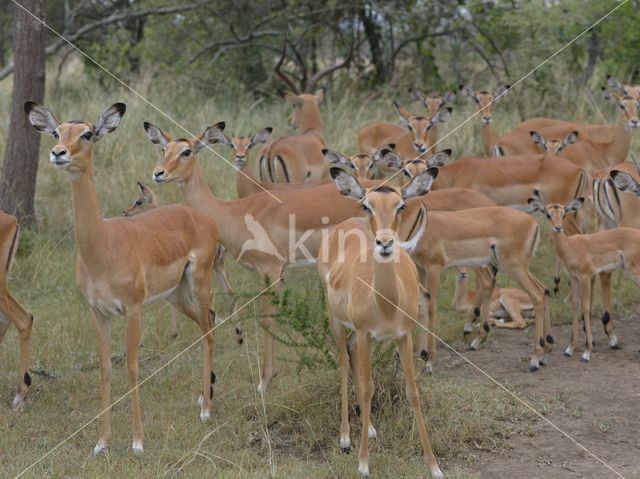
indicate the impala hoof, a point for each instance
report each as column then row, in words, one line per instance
column 18, row 402
column 262, row 387
column 100, row 448
column 544, row 360
column 585, row 357
column 474, row 344
column 568, row 352
column 534, row 365
column 613, row 342
column 363, row 469
column 345, row 445
column 136, row 447
column 429, row 368
column 436, row 473
column 205, row 416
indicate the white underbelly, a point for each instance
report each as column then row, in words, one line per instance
column 470, row 262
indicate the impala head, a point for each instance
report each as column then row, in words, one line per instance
column 364, row 165
column 242, row 145
column 419, row 125
column 180, row 154
column 554, row 212
column 413, row 168
column 74, row 139
column 484, row 100
column 625, row 182
column 145, row 201
column 554, row 147
column 304, row 104
column 383, row 204
column 435, row 105
column 625, row 90
column 628, row 108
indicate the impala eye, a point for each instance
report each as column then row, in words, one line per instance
column 402, row 207
column 406, row 173
column 87, row 136
column 55, row 135
column 365, row 208
column 138, row 203
column 186, row 153
column 548, row 216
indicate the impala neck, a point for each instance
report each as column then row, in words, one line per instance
column 621, row 141
column 386, row 284
column 310, row 118
column 246, row 182
column 561, row 245
column 90, row 228
column 489, row 137
column 432, row 136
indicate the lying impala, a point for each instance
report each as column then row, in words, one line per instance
column 124, row 263
column 373, row 289
column 284, row 227
column 509, row 306
column 12, row 312
column 298, row 158
column 416, row 142
column 147, row 201
column 586, row 255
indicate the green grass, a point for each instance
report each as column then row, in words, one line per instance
column 293, row 430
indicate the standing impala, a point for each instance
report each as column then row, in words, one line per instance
column 414, row 143
column 298, row 158
column 12, row 312
column 373, row 289
column 124, row 263
column 147, row 201
column 586, row 255
column 284, row 226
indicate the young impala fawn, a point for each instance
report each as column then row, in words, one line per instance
column 372, row 288
column 509, row 306
column 585, row 255
column 12, row 312
column 146, row 201
column 125, row 263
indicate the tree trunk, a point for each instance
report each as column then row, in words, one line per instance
column 17, row 190
column 372, row 32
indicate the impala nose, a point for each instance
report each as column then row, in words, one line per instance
column 55, row 152
column 634, row 123
column 158, row 175
column 384, row 247
column 486, row 119
column 557, row 229
column 420, row 147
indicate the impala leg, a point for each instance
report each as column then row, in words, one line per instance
column 475, row 312
column 366, row 386
column 605, row 288
column 405, row 347
column 513, row 309
column 341, row 341
column 355, row 370
column 575, row 323
column 132, row 340
column 218, row 267
column 12, row 311
column 536, row 292
column 487, row 280
column 103, row 328
column 269, row 325
column 426, row 338
column 556, row 276
column 586, row 315
column 174, row 323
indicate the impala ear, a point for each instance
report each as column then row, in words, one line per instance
column 571, row 138
column 388, row 156
column 439, row 159
column 420, row 184
column 614, row 83
column 625, row 182
column 467, row 91
column 156, row 135
column 260, row 137
column 405, row 114
column 212, row 135
column 501, row 90
column 609, row 96
column 449, row 97
column 442, row 115
column 347, row 184
column 109, row 120
column 535, row 202
column 415, row 95
column 40, row 117
column 146, row 192
column 573, row 205
column 336, row 158
column 538, row 139
column 320, row 94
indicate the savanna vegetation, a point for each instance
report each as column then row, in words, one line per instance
column 208, row 61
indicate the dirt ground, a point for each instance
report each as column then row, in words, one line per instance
column 597, row 404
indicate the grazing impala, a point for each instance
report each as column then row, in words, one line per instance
column 12, row 312
column 373, row 289
column 416, row 142
column 285, row 225
column 124, row 263
column 147, row 201
column 586, row 255
column 298, row 158
column 509, row 306
column 494, row 238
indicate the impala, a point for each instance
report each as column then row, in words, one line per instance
column 493, row 238
column 147, row 201
column 124, row 263
column 298, row 158
column 484, row 100
column 375, row 292
column 585, row 255
column 364, row 165
column 290, row 222
column 416, row 142
column 12, row 312
column 509, row 306
column 625, row 90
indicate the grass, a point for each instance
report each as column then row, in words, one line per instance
column 292, row 431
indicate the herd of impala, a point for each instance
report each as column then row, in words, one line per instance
column 380, row 244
